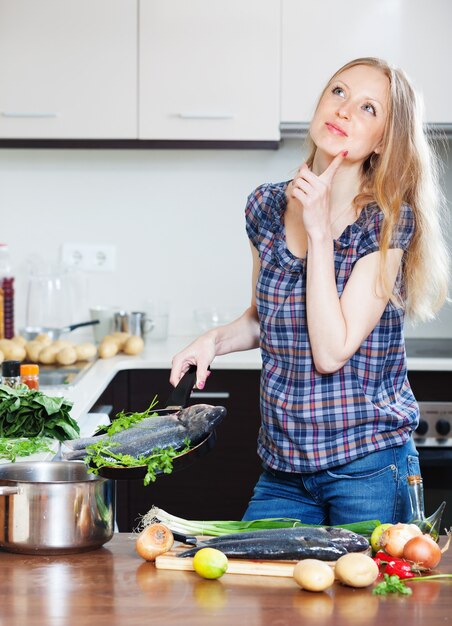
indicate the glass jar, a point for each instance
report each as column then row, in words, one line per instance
column 29, row 375
column 11, row 373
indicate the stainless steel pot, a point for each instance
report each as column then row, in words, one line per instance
column 54, row 508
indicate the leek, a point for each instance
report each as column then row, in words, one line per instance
column 215, row 528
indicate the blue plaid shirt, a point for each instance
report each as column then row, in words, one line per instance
column 313, row 421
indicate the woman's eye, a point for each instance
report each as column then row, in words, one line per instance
column 338, row 91
column 370, row 108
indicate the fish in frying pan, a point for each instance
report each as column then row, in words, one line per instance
column 193, row 423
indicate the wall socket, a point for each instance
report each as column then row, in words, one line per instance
column 92, row 257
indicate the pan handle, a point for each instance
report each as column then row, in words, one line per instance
column 9, row 491
column 80, row 324
column 180, row 395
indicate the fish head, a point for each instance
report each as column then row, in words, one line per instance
column 204, row 421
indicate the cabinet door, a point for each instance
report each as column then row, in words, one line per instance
column 209, row 69
column 68, row 69
column 218, row 485
column 318, row 37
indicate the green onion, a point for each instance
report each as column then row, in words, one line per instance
column 215, row 528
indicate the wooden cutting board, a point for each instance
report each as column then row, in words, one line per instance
column 170, row 560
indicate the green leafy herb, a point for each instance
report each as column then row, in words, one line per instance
column 124, row 420
column 10, row 449
column 102, row 454
column 391, row 584
column 27, row 412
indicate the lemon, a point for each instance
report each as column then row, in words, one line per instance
column 376, row 534
column 210, row 563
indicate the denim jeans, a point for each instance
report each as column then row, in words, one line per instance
column 372, row 487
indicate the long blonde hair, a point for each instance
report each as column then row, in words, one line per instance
column 406, row 171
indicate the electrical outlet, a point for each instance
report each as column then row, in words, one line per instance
column 92, row 257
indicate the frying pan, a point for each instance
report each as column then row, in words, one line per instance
column 31, row 333
column 177, row 400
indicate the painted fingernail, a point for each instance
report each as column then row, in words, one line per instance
column 344, row 153
column 200, row 384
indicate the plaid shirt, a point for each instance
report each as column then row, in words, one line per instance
column 313, row 421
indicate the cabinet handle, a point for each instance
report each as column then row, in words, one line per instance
column 205, row 116
column 212, row 394
column 33, row 114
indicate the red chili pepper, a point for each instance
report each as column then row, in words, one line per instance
column 394, row 565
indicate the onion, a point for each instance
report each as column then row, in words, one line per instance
column 393, row 540
column 154, row 540
column 423, row 551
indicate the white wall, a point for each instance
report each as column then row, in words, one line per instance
column 176, row 217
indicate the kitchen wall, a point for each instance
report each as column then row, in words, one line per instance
column 176, row 217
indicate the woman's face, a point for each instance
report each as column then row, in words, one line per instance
column 352, row 113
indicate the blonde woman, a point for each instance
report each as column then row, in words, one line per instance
column 340, row 255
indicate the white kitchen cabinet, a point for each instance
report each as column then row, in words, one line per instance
column 68, row 69
column 209, row 70
column 318, row 37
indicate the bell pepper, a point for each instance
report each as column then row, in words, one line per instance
column 394, row 565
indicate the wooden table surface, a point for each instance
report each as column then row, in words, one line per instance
column 114, row 586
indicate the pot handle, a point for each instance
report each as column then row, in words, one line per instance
column 9, row 491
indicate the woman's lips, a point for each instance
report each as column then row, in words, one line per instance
column 335, row 129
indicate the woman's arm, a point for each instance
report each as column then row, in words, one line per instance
column 241, row 334
column 337, row 327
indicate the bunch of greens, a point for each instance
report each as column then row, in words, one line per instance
column 10, row 449
column 27, row 412
column 102, row 454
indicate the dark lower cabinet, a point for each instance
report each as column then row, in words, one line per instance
column 215, row 486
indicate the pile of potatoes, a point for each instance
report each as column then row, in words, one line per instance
column 120, row 342
column 64, row 352
column 44, row 350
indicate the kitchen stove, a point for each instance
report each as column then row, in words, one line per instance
column 436, row 348
column 435, row 422
column 435, row 425
column 433, row 437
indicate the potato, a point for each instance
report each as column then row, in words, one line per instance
column 47, row 356
column 313, row 575
column 133, row 345
column 120, row 338
column 356, row 570
column 85, row 351
column 59, row 344
column 33, row 349
column 20, row 340
column 108, row 348
column 17, row 352
column 44, row 339
column 66, row 356
column 5, row 346
column 12, row 351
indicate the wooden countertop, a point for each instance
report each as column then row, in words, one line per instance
column 113, row 586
